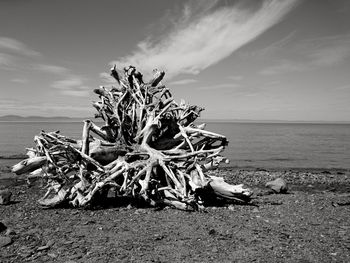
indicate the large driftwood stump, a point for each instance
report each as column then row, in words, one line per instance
column 149, row 147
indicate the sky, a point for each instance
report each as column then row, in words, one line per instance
column 245, row 59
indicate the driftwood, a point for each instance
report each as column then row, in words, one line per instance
column 149, row 148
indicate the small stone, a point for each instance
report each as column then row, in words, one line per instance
column 50, row 243
column 278, row 185
column 334, row 204
column 137, row 212
column 214, row 250
column 5, row 197
column 5, row 241
column 76, row 256
column 68, row 242
column 89, row 222
column 2, row 227
column 10, row 232
column 47, row 246
column 158, row 237
column 42, row 248
column 52, row 255
column 255, row 210
column 212, row 232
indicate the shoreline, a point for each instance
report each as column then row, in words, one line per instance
column 251, row 176
column 15, row 158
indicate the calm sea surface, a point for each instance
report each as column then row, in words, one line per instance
column 263, row 145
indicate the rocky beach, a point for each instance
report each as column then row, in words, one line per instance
column 309, row 223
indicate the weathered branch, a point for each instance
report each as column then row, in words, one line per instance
column 149, row 148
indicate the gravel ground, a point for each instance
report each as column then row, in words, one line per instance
column 308, row 224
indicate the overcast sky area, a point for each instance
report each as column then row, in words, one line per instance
column 257, row 60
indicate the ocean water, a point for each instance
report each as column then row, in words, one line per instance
column 257, row 145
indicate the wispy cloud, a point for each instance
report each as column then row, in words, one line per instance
column 20, row 80
column 329, row 56
column 235, row 77
column 326, row 51
column 16, row 47
column 14, row 106
column 5, row 60
column 4, row 102
column 284, row 66
column 313, row 54
column 67, row 83
column 234, row 89
column 219, row 86
column 107, row 78
column 72, row 86
column 18, row 56
column 344, row 87
column 50, row 68
column 204, row 36
column 182, row 82
column 271, row 49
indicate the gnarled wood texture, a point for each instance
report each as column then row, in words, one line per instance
column 149, row 147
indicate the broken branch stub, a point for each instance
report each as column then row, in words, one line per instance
column 149, row 147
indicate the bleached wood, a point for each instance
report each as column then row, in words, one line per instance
column 149, row 147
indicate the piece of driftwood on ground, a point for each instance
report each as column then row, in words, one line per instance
column 149, row 148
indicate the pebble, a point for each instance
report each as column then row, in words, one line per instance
column 89, row 222
column 52, row 255
column 255, row 210
column 10, row 232
column 212, row 232
column 214, row 250
column 47, row 246
column 68, row 242
column 4, row 241
column 278, row 185
column 158, row 237
column 231, row 208
column 76, row 256
column 5, row 197
column 2, row 227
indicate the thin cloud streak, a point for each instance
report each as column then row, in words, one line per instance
column 183, row 82
column 271, row 49
column 284, row 66
column 71, row 86
column 107, row 78
column 17, row 47
column 235, row 77
column 12, row 57
column 344, row 87
column 18, row 107
column 209, row 37
column 53, row 69
column 314, row 53
column 219, row 86
column 20, row 80
column 5, row 60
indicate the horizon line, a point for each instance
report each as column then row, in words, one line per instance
column 201, row 119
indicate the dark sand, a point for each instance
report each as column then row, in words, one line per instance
column 309, row 224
